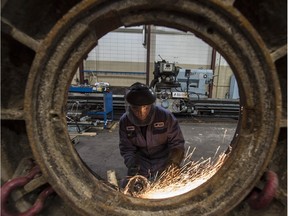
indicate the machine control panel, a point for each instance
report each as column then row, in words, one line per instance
column 167, row 67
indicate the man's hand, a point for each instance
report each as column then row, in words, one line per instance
column 132, row 171
column 175, row 157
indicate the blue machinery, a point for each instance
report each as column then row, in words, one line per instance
column 82, row 89
column 195, row 81
column 85, row 103
column 107, row 108
column 187, row 91
column 175, row 87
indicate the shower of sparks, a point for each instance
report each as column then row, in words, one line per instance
column 175, row 181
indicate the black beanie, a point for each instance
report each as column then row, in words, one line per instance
column 140, row 94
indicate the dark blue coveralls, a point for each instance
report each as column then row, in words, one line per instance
column 151, row 147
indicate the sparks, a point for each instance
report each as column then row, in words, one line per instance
column 176, row 181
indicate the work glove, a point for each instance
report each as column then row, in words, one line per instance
column 175, row 157
column 132, row 165
column 132, row 171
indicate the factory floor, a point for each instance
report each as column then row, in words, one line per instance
column 99, row 148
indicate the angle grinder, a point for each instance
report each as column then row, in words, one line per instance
column 136, row 185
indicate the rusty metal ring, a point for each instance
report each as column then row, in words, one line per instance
column 217, row 23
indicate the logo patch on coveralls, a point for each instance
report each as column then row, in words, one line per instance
column 159, row 128
column 130, row 128
column 131, row 133
column 159, row 125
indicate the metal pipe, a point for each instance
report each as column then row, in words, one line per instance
column 212, row 67
column 148, row 46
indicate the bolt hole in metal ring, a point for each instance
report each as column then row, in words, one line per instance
column 210, row 30
column 78, row 32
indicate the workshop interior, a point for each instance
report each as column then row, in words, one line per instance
column 220, row 67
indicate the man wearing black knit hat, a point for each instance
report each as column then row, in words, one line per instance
column 150, row 136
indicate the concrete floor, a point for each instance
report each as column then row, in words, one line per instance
column 101, row 152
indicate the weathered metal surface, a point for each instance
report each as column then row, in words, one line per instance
column 269, row 20
column 46, row 74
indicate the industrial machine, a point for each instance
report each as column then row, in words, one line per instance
column 88, row 106
column 186, row 91
column 166, row 86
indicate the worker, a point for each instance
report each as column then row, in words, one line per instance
column 150, row 137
